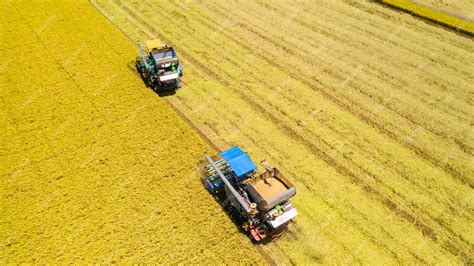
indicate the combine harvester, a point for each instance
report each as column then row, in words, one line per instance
column 160, row 68
column 259, row 201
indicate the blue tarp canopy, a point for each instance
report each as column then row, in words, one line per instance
column 239, row 161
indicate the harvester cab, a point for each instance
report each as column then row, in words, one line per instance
column 259, row 201
column 159, row 67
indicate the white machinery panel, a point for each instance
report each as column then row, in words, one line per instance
column 169, row 76
column 285, row 217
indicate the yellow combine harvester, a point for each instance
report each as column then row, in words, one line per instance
column 159, row 68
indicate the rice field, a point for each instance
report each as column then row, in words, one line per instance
column 367, row 109
column 95, row 167
column 373, row 124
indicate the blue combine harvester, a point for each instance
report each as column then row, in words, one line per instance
column 259, row 201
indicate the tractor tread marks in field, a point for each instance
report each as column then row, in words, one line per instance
column 395, row 169
column 465, row 147
column 282, row 122
column 364, row 116
column 420, row 151
column 226, row 58
column 288, row 129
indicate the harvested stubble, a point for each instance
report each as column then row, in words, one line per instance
column 367, row 109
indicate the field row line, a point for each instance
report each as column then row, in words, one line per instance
column 366, row 232
column 264, row 111
column 382, row 52
column 396, row 169
column 314, row 136
column 379, row 97
column 375, row 26
column 360, row 113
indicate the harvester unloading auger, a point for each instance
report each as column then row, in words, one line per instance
column 159, row 67
column 259, row 201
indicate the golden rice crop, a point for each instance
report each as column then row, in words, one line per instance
column 367, row 110
column 96, row 167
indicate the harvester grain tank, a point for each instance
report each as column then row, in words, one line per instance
column 259, row 201
column 159, row 67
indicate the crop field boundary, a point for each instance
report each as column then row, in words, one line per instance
column 215, row 147
column 437, row 16
column 60, row 147
column 152, row 33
